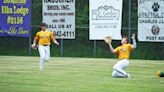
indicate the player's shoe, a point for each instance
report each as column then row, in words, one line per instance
column 41, row 69
column 128, row 76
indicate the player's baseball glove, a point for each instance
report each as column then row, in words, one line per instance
column 108, row 39
column 33, row 46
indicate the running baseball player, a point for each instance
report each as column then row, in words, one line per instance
column 123, row 52
column 44, row 38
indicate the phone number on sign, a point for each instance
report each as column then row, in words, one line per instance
column 65, row 34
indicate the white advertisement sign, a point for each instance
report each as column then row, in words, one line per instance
column 151, row 20
column 59, row 15
column 105, row 19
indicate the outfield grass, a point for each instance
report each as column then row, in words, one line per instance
column 21, row 74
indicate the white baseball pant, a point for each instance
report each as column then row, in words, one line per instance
column 119, row 67
column 44, row 52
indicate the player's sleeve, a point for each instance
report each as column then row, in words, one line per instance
column 134, row 44
column 37, row 36
column 130, row 47
column 52, row 36
column 116, row 50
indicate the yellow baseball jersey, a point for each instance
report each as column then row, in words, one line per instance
column 44, row 37
column 124, row 51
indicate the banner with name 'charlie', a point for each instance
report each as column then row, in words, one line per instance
column 59, row 15
column 151, row 20
column 15, row 18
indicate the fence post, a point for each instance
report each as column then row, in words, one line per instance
column 94, row 48
column 29, row 48
column 61, row 48
column 129, row 21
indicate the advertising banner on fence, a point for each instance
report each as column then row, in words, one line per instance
column 105, row 19
column 151, row 20
column 59, row 15
column 15, row 18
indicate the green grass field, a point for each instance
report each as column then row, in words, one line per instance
column 21, row 74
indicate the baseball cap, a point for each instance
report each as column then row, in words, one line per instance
column 43, row 24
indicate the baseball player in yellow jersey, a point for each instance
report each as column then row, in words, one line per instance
column 44, row 38
column 123, row 51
